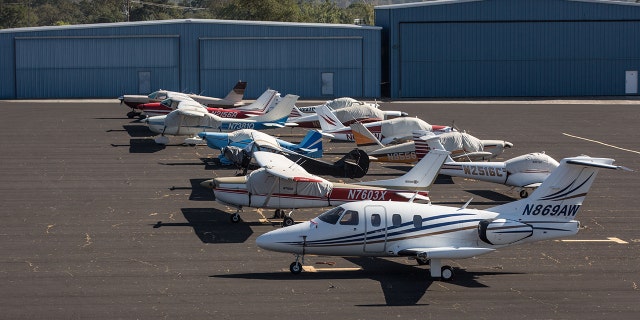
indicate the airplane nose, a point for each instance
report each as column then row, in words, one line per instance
column 209, row 184
column 287, row 239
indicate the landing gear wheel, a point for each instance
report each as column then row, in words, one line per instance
column 447, row 273
column 288, row 221
column 295, row 267
column 131, row 114
column 278, row 214
column 524, row 194
column 235, row 218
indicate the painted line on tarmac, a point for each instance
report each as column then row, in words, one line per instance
column 600, row 142
column 609, row 239
column 313, row 269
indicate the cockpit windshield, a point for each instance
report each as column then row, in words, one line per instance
column 332, row 216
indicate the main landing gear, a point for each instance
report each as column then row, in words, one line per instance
column 445, row 273
column 133, row 114
column 235, row 218
column 287, row 220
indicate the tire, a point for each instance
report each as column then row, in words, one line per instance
column 235, row 218
column 447, row 273
column 295, row 267
column 288, row 221
column 524, row 194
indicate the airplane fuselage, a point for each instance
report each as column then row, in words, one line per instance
column 153, row 109
column 395, row 229
column 233, row 191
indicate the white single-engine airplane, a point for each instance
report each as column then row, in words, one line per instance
column 431, row 233
column 233, row 98
column 463, row 146
column 360, row 112
column 388, row 131
column 523, row 172
column 191, row 120
column 283, row 184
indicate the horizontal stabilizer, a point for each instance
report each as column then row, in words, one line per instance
column 414, row 196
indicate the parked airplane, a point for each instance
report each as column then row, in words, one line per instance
column 282, row 184
column 191, row 120
column 463, row 146
column 431, row 233
column 523, row 172
column 338, row 103
column 265, row 102
column 233, row 98
column 252, row 140
column 387, row 131
column 360, row 112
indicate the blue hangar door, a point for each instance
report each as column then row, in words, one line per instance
column 539, row 58
column 98, row 67
column 308, row 67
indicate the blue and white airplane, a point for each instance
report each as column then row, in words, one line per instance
column 431, row 233
column 310, row 146
column 191, row 120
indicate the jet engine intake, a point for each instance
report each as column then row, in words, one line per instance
column 503, row 231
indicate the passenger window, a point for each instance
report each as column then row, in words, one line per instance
column 350, row 218
column 417, row 221
column 375, row 220
column 396, row 219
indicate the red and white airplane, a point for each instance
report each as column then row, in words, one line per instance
column 233, row 98
column 387, row 131
column 282, row 184
column 264, row 103
column 463, row 146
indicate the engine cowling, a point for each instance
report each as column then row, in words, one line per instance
column 503, row 231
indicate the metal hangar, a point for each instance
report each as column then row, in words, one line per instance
column 197, row 56
column 509, row 48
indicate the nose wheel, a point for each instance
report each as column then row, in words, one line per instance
column 295, row 267
column 235, row 218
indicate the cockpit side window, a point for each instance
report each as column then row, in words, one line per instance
column 350, row 218
column 332, row 216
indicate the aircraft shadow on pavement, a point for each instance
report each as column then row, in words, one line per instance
column 401, row 284
column 212, row 226
column 138, row 131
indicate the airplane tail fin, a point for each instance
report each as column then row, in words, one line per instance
column 280, row 112
column 420, row 138
column 433, row 143
column 264, row 102
column 297, row 113
column 237, row 93
column 328, row 120
column 354, row 164
column 311, row 144
column 420, row 177
column 560, row 195
column 364, row 138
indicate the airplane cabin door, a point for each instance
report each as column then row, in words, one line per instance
column 375, row 238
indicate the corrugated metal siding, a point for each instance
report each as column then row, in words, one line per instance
column 189, row 34
column 86, row 67
column 275, row 62
column 511, row 48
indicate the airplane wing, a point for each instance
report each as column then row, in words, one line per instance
column 192, row 111
column 281, row 167
column 445, row 252
column 472, row 156
column 272, row 124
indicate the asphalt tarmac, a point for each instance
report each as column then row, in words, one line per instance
column 98, row 222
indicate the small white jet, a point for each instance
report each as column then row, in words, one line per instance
column 192, row 119
column 387, row 131
column 523, row 172
column 282, row 184
column 431, row 233
column 463, row 146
